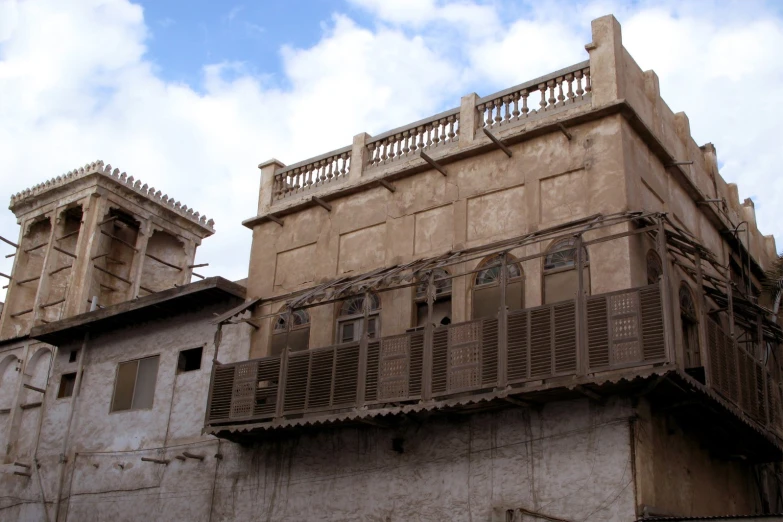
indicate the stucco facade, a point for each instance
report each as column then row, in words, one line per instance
column 628, row 413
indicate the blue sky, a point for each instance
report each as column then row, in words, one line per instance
column 190, row 96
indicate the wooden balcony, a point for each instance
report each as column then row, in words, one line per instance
column 556, row 345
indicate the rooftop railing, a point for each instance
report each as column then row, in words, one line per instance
column 535, row 99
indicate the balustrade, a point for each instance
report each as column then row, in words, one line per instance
column 559, row 90
column 438, row 131
column 298, row 178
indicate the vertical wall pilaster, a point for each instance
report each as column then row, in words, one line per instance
column 468, row 120
column 267, row 189
column 94, row 208
column 143, row 237
column 359, row 155
column 607, row 62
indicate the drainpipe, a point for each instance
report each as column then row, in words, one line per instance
column 74, row 403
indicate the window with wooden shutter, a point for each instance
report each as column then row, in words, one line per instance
column 561, row 280
column 292, row 331
column 486, row 287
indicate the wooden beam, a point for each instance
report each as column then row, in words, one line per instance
column 276, row 219
column 321, row 202
column 28, row 280
column 111, row 274
column 22, row 465
column 31, row 387
column 69, row 234
column 36, row 247
column 64, row 251
column 433, row 163
column 156, row 461
column 161, row 261
column 10, row 255
column 147, row 289
column 107, row 221
column 564, row 131
column 30, row 405
column 60, row 269
column 497, row 142
column 5, row 275
column 197, row 456
column 119, row 240
column 23, row 474
column 4, row 240
column 53, row 303
column 590, row 394
column 23, row 312
column 198, row 275
column 198, row 266
column 388, row 186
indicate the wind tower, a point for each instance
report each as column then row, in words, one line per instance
column 95, row 232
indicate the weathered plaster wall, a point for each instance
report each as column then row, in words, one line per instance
column 570, row 460
column 676, row 474
column 547, row 181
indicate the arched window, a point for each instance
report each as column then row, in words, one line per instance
column 486, row 286
column 690, row 327
column 350, row 321
column 441, row 306
column 654, row 267
column 561, row 280
column 291, row 330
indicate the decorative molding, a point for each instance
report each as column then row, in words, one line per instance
column 98, row 167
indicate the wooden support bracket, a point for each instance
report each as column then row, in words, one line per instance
column 249, row 321
column 497, row 142
column 435, row 165
column 30, row 405
column 22, row 465
column 28, row 280
column 5, row 275
column 198, row 275
column 36, row 247
column 34, row 388
column 388, row 186
column 276, row 219
column 590, row 394
column 23, row 312
column 156, row 461
column 198, row 266
column 107, row 221
column 10, row 255
column 676, row 163
column 69, row 234
column 190, row 455
column 564, row 131
column 120, row 240
column 23, row 474
column 53, row 303
column 146, row 289
column 321, row 202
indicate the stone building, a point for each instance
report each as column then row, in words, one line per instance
column 542, row 304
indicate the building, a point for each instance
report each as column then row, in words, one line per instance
column 542, row 304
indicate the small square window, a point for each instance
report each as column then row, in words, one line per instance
column 67, row 382
column 189, row 360
column 134, row 387
column 72, row 356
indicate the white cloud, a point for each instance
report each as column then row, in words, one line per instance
column 76, row 86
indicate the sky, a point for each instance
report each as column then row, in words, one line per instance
column 190, row 96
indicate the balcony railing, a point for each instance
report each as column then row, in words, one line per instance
column 621, row 330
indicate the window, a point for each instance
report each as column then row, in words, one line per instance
column 486, row 287
column 292, row 331
column 561, row 280
column 690, row 327
column 654, row 267
column 350, row 321
column 134, row 388
column 441, row 306
column 72, row 356
column 67, row 382
column 189, row 360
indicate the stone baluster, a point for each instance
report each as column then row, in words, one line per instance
column 420, row 132
column 569, row 78
column 443, row 134
column 515, row 112
column 398, row 146
column 588, row 84
column 525, row 109
column 451, row 128
column 405, row 142
column 579, row 91
column 560, row 96
column 552, row 100
column 327, row 166
column 344, row 165
column 489, row 114
column 542, row 91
